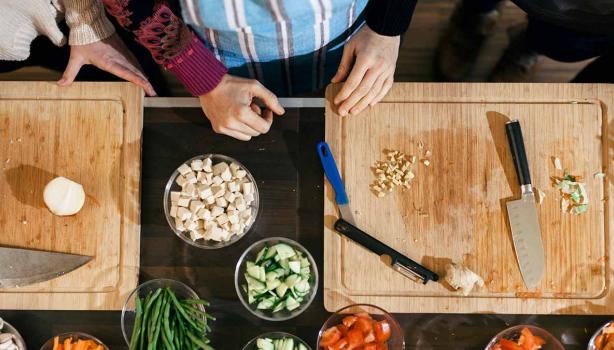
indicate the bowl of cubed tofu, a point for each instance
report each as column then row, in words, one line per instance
column 211, row 201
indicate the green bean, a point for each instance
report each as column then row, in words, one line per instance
column 154, row 320
column 137, row 325
column 181, row 310
column 197, row 341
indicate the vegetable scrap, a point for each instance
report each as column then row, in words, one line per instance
column 540, row 195
column 76, row 344
column 462, row 278
column 557, row 163
column 395, row 171
column 574, row 198
column 605, row 340
column 165, row 321
column 526, row 341
column 599, row 175
column 359, row 331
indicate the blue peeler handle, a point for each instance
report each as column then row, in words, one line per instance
column 332, row 173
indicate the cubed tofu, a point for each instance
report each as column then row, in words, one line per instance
column 218, row 190
column 215, row 233
column 240, row 204
column 234, row 167
column 236, row 229
column 183, row 202
column 175, row 196
column 204, row 191
column 222, row 219
column 200, row 177
column 184, row 169
column 226, row 226
column 217, row 180
column 229, row 196
column 181, row 180
column 190, row 225
column 207, row 165
column 216, row 211
column 249, row 198
column 191, row 178
column 195, row 206
column 210, row 200
column 209, row 178
column 204, row 214
column 189, row 190
column 233, row 217
column 179, row 225
column 231, row 207
column 221, row 202
column 197, row 165
column 240, row 174
column 173, row 211
column 183, row 214
column 219, row 168
column 226, row 175
column 233, row 186
column 248, row 188
column 197, row 234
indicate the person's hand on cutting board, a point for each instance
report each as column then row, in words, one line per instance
column 233, row 110
column 110, row 55
column 367, row 67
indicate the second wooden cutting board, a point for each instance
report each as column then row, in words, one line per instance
column 455, row 210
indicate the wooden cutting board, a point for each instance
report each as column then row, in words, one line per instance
column 455, row 209
column 89, row 133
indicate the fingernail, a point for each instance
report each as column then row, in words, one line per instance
column 61, row 81
column 342, row 112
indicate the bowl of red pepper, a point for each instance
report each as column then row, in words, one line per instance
column 363, row 326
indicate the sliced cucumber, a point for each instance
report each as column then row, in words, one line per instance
column 284, row 251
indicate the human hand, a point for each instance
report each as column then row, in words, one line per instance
column 232, row 110
column 374, row 59
column 110, row 55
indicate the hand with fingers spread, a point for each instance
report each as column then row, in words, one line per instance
column 367, row 66
column 231, row 107
column 110, row 55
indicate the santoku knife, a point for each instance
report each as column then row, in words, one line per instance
column 20, row 267
column 522, row 214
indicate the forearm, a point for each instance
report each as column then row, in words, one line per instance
column 390, row 17
column 171, row 43
column 87, row 21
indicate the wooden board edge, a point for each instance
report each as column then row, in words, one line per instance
column 603, row 305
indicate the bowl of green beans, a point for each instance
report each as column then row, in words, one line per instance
column 165, row 314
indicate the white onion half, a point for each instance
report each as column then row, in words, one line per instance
column 64, row 197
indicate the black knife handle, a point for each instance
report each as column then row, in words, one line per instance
column 519, row 155
column 379, row 248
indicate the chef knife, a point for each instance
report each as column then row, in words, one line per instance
column 332, row 174
column 522, row 214
column 20, row 267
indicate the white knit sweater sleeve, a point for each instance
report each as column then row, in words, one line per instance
column 87, row 21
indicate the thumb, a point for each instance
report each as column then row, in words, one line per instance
column 72, row 69
column 266, row 96
column 344, row 65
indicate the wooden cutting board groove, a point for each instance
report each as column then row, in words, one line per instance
column 90, row 133
column 455, row 210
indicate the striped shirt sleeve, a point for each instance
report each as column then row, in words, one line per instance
column 170, row 41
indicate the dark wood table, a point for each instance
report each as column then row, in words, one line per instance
column 290, row 180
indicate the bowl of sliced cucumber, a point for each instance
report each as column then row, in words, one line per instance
column 276, row 341
column 276, row 279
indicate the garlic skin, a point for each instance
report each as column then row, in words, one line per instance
column 460, row 277
column 64, row 197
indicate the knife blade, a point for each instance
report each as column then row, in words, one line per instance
column 522, row 214
column 20, row 267
column 333, row 176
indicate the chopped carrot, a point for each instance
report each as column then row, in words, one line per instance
column 81, row 345
column 99, row 347
column 56, row 343
column 509, row 345
column 68, row 344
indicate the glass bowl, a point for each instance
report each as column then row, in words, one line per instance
column 250, row 255
column 274, row 335
column 171, row 185
column 75, row 336
column 128, row 317
column 6, row 327
column 512, row 333
column 397, row 338
column 593, row 342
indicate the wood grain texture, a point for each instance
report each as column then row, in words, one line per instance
column 90, row 133
column 455, row 208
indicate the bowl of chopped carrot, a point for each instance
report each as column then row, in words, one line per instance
column 74, row 341
column 361, row 326
column 604, row 338
column 524, row 337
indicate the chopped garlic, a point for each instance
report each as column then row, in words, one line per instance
column 460, row 277
column 540, row 196
column 599, row 175
column 557, row 163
